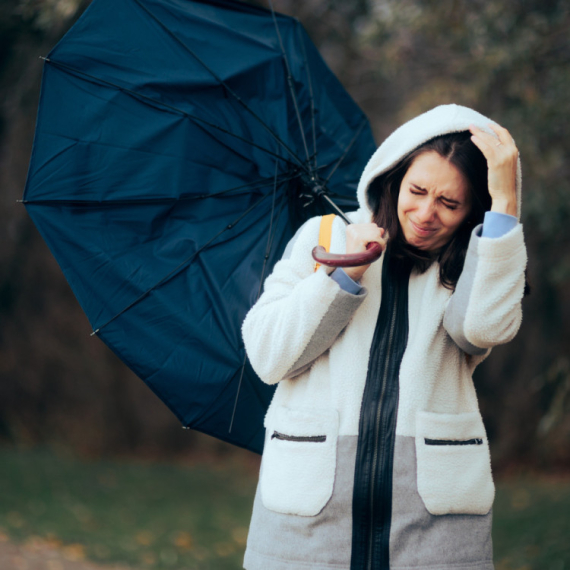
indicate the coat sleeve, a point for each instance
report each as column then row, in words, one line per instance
column 300, row 313
column 485, row 309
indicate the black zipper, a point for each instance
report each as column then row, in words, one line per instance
column 377, row 431
column 372, row 493
column 313, row 438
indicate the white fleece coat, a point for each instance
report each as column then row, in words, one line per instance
column 322, row 373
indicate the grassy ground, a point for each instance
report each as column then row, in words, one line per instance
column 531, row 525
column 163, row 517
column 149, row 516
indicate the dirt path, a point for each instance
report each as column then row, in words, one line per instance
column 39, row 554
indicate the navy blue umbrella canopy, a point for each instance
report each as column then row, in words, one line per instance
column 179, row 145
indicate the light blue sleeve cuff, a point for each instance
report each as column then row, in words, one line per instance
column 496, row 224
column 345, row 282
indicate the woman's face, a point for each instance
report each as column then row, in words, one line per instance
column 433, row 201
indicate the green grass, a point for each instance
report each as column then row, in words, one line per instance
column 531, row 525
column 149, row 516
column 163, row 517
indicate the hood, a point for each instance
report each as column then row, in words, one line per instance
column 439, row 121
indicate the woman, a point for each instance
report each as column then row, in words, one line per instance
column 376, row 456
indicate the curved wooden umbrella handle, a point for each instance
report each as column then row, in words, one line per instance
column 373, row 252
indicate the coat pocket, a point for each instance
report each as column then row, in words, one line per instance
column 299, row 460
column 453, row 464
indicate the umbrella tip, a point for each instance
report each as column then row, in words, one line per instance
column 44, row 58
column 94, row 333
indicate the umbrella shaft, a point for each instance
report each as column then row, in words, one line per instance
column 337, row 209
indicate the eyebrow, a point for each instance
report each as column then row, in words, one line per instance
column 443, row 197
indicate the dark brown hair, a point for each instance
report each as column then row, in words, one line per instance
column 383, row 192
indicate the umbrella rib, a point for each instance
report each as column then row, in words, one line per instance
column 342, row 196
column 162, row 104
column 311, row 94
column 346, row 151
column 290, row 83
column 224, row 84
column 242, row 370
column 142, row 201
column 270, row 245
column 202, row 414
column 265, row 258
column 185, row 262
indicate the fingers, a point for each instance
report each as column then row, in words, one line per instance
column 483, row 140
column 503, row 137
column 501, row 153
column 358, row 236
column 496, row 148
column 502, row 134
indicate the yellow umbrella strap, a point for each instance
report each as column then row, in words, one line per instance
column 325, row 233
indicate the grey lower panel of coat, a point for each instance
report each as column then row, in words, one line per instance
column 283, row 542
column 418, row 540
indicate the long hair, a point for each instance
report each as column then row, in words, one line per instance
column 383, row 193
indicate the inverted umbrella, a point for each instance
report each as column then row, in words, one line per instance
column 179, row 145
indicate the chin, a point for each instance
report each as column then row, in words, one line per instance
column 426, row 247
column 421, row 244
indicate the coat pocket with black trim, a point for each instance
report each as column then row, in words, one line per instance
column 299, row 460
column 453, row 464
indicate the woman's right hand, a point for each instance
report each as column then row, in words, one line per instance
column 358, row 236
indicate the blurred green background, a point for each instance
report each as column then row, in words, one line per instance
column 91, row 461
column 186, row 516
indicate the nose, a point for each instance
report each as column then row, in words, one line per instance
column 426, row 212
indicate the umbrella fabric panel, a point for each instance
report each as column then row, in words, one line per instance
column 190, row 329
column 177, row 360
column 162, row 68
column 247, row 427
column 124, row 148
column 112, row 256
column 173, row 28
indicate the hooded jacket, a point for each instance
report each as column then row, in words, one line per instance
column 376, row 456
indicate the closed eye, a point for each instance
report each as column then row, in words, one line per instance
column 449, row 206
column 416, row 190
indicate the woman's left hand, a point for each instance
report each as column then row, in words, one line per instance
column 502, row 156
